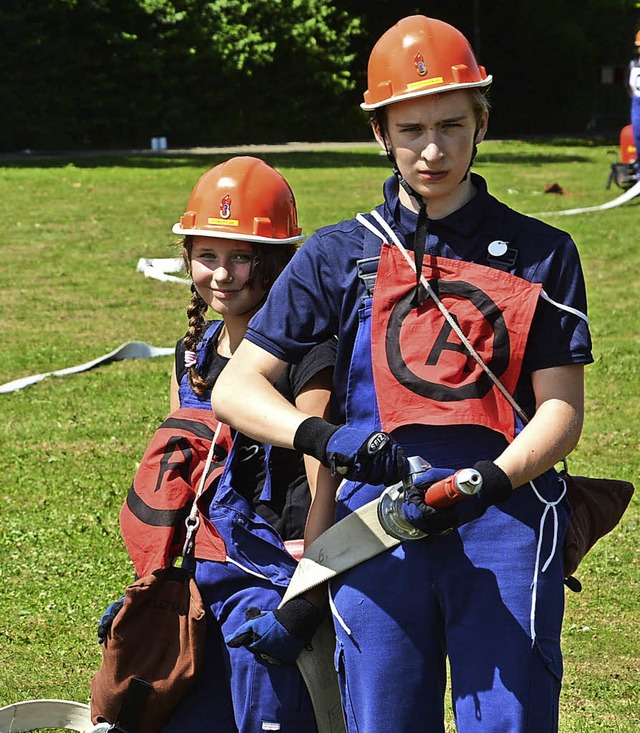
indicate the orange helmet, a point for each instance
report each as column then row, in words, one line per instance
column 420, row 56
column 242, row 198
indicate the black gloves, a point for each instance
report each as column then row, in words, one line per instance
column 357, row 454
column 278, row 636
column 496, row 485
column 496, row 488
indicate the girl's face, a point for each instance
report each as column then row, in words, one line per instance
column 220, row 269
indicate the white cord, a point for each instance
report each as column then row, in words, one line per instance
column 192, row 522
column 549, row 505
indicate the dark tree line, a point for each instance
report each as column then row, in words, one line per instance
column 114, row 73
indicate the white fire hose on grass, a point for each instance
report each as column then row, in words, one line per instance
column 35, row 714
column 622, row 199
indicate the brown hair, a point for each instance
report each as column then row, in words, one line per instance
column 479, row 102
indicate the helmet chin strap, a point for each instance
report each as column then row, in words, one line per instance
column 420, row 237
column 474, row 152
column 422, row 226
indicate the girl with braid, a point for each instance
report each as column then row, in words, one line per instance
column 239, row 231
column 253, row 267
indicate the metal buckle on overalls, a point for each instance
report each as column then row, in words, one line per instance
column 368, row 271
column 192, row 524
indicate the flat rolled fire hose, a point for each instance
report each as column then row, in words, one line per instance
column 622, row 199
column 35, row 714
column 130, row 350
column 354, row 539
column 153, row 268
column 159, row 268
column 318, row 672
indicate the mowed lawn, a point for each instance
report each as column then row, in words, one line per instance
column 73, row 230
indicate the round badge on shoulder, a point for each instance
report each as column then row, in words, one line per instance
column 498, row 248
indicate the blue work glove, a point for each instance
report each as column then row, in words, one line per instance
column 496, row 488
column 355, row 453
column 108, row 618
column 278, row 636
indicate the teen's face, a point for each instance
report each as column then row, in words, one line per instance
column 220, row 269
column 432, row 140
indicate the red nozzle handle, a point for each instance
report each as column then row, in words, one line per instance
column 447, row 491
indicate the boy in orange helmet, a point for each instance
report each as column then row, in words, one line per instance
column 439, row 274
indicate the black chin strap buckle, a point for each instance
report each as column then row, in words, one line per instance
column 419, row 245
column 420, row 238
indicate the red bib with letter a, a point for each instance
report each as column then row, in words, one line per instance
column 152, row 519
column 422, row 371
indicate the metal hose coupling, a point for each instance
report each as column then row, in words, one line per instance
column 392, row 498
column 439, row 495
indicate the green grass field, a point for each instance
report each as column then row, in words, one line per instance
column 73, row 231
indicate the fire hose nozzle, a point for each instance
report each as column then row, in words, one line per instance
column 444, row 493
column 465, row 482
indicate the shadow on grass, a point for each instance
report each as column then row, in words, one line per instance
column 533, row 159
column 152, row 160
column 544, row 150
column 534, row 152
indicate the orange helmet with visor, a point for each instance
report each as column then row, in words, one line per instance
column 420, row 56
column 243, row 198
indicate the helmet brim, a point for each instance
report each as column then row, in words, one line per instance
column 177, row 229
column 427, row 92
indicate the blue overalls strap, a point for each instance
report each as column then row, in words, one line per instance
column 202, row 348
column 265, row 494
column 368, row 265
column 188, row 398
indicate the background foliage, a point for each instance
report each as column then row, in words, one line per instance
column 69, row 447
column 114, row 73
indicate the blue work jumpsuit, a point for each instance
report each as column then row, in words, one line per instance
column 490, row 595
column 236, row 691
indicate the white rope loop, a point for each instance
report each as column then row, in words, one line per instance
column 192, row 522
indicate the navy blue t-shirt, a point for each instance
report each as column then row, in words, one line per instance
column 319, row 292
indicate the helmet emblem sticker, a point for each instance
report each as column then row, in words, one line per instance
column 225, row 206
column 420, row 65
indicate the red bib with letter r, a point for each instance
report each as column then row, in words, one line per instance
column 423, row 373
column 152, row 519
